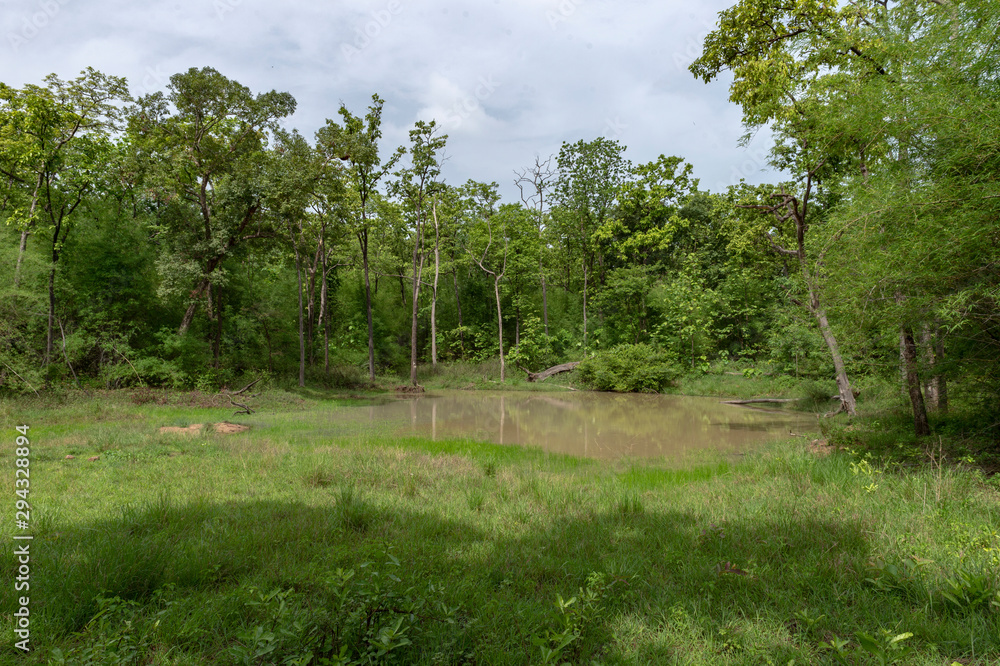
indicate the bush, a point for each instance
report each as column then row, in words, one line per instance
column 638, row 368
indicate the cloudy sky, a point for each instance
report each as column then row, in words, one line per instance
column 507, row 79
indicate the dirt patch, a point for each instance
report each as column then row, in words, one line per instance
column 820, row 447
column 192, row 429
column 230, row 428
column 224, row 428
column 409, row 388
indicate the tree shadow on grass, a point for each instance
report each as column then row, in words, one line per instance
column 673, row 584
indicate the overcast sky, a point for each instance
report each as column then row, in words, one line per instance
column 507, row 79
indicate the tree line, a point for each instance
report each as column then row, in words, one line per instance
column 183, row 238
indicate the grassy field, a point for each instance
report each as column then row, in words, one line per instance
column 312, row 539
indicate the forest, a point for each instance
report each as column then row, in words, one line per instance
column 184, row 239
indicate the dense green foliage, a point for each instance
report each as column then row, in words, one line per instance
column 639, row 368
column 182, row 239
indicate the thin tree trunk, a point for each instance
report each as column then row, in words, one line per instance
column 844, row 389
column 324, row 317
column 920, row 424
column 940, row 380
column 458, row 306
column 545, row 299
column 418, row 266
column 23, row 247
column 434, row 293
column 311, row 307
column 930, row 377
column 302, row 341
column 936, row 388
column 496, row 291
column 363, row 240
column 585, row 305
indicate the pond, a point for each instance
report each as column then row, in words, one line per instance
column 591, row 424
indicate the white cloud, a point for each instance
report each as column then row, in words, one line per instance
column 506, row 80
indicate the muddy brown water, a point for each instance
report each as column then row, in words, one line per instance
column 596, row 425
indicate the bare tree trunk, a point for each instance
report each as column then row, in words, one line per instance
column 23, row 247
column 434, row 294
column 214, row 304
column 458, row 306
column 324, row 317
column 302, row 341
column 935, row 387
column 585, row 305
column 844, row 389
column 418, row 266
column 363, row 240
column 920, row 424
column 496, row 291
column 311, row 306
column 930, row 385
column 545, row 299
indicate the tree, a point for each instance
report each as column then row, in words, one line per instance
column 489, row 242
column 205, row 141
column 293, row 174
column 416, row 184
column 590, row 175
column 357, row 144
column 534, row 183
column 53, row 147
column 785, row 60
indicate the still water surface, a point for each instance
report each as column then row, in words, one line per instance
column 597, row 425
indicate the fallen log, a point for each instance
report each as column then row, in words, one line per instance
column 747, row 402
column 554, row 370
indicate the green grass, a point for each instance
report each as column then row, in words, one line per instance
column 310, row 536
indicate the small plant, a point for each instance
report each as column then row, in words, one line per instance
column 476, row 498
column 318, row 478
column 630, row 506
column 117, row 634
column 887, row 648
column 966, row 591
column 490, row 468
column 867, row 473
column 354, row 513
column 904, row 578
column 575, row 616
column 808, row 620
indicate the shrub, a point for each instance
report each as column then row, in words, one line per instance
column 638, row 368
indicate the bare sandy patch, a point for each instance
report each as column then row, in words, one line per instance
column 224, row 428
column 192, row 429
column 227, row 428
